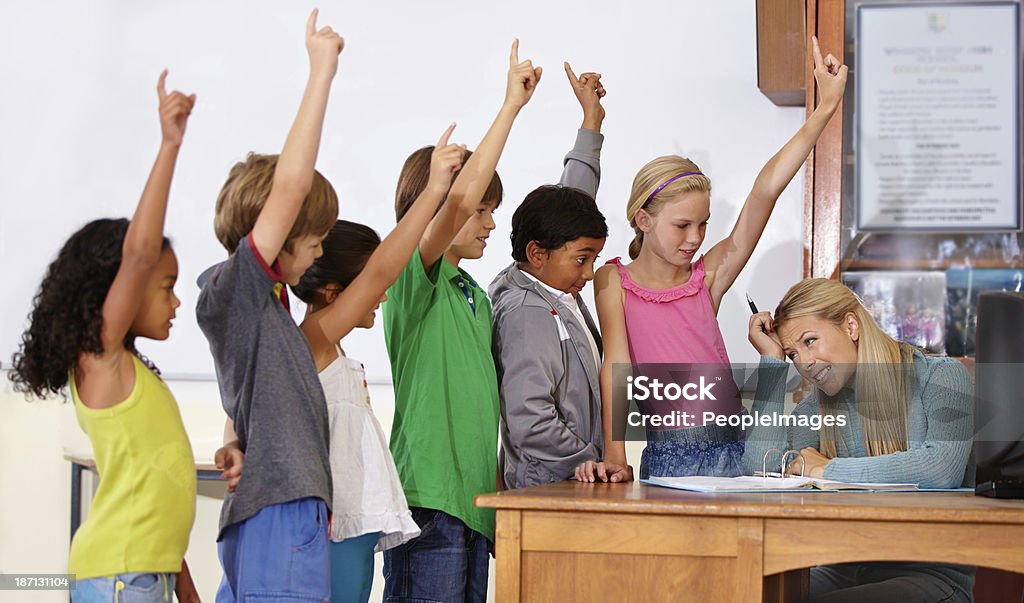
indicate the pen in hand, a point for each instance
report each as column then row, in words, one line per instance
column 753, row 310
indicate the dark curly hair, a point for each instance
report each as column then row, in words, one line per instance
column 347, row 248
column 67, row 312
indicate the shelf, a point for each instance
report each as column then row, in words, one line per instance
column 918, row 264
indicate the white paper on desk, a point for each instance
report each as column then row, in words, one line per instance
column 750, row 483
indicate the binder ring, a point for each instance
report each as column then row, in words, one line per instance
column 764, row 464
column 803, row 462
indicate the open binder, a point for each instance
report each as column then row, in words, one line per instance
column 766, row 481
column 754, row 483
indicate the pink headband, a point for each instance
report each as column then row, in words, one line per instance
column 666, row 183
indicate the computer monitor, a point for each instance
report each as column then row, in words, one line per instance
column 999, row 388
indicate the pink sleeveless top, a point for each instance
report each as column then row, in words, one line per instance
column 677, row 326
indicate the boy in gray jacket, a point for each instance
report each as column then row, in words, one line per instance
column 546, row 346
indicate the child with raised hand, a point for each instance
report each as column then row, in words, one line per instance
column 271, row 216
column 662, row 308
column 342, row 289
column 113, row 281
column 437, row 324
column 546, row 345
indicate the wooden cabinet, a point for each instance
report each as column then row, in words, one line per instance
column 781, row 51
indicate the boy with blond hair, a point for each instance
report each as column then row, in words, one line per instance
column 271, row 216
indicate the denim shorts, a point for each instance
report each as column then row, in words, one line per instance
column 136, row 587
column 447, row 562
column 707, row 450
column 279, row 554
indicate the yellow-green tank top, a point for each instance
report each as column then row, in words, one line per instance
column 141, row 516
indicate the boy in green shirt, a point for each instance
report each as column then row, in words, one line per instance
column 437, row 325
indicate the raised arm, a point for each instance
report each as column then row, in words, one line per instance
column 582, row 165
column 469, row 187
column 727, row 259
column 143, row 243
column 293, row 176
column 390, row 258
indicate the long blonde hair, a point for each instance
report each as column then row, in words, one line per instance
column 883, row 390
column 649, row 178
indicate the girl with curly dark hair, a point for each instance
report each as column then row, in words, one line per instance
column 113, row 281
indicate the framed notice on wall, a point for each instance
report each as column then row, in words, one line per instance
column 937, row 113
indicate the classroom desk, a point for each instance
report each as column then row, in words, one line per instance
column 573, row 541
column 81, row 462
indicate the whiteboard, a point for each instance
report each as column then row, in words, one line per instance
column 80, row 131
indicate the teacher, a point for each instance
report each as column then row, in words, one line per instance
column 908, row 420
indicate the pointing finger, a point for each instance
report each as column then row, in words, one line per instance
column 569, row 73
column 444, row 137
column 816, row 52
column 161, row 88
column 311, row 23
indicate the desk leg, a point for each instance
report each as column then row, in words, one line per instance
column 787, row 587
column 508, row 556
column 76, row 497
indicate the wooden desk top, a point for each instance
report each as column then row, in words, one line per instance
column 635, row 497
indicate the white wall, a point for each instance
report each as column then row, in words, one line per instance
column 80, row 126
column 78, row 117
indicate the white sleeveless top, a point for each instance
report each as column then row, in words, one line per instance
column 368, row 495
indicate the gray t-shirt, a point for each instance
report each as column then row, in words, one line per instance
column 268, row 385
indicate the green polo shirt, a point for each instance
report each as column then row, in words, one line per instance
column 445, row 433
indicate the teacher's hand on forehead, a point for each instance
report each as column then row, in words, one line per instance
column 523, row 78
column 762, row 335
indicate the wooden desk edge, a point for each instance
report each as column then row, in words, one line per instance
column 984, row 511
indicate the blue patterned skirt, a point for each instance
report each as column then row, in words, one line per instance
column 707, row 450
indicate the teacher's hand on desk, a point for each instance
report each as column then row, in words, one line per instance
column 606, row 471
column 813, row 464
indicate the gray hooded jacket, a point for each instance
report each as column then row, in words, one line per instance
column 548, row 379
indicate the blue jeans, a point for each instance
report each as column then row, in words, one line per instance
column 138, row 587
column 352, row 568
column 446, row 563
column 278, row 554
